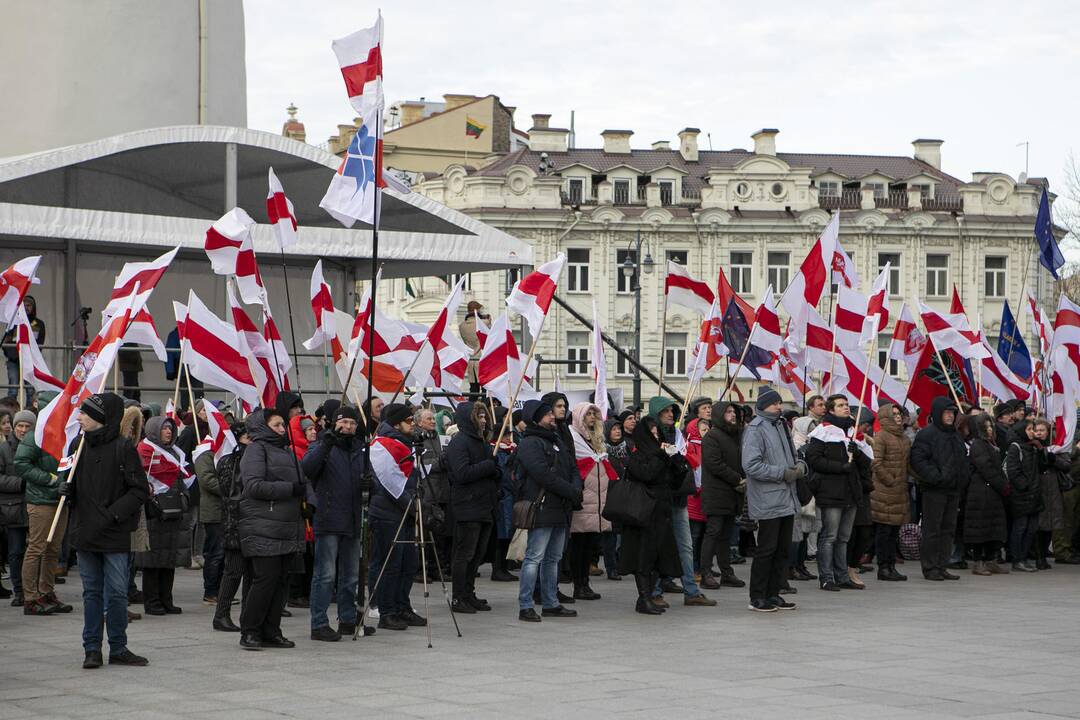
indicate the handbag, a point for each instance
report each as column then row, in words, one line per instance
column 171, row 504
column 524, row 512
column 629, row 503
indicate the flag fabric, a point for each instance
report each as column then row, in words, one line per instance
column 57, row 423
column 351, row 194
column 599, row 366
column 219, row 438
column 473, row 127
column 1064, row 370
column 279, row 354
column 142, row 331
column 15, row 281
column 443, row 358
column 1011, row 346
column 736, row 338
column 791, row 369
column 531, row 295
column 281, row 213
column 391, row 460
column 249, row 281
column 34, row 370
column 211, row 352
column 1042, row 327
column 851, row 312
column 843, row 269
column 877, row 306
column 997, row 379
column 725, row 294
column 683, row 289
column 144, row 274
column 951, row 331
column 253, row 346
column 934, row 373
column 170, row 412
column 388, row 333
column 820, row 344
column 360, row 57
column 482, row 330
column 907, row 341
column 813, row 276
column 766, row 331
column 163, row 462
column 224, row 238
column 322, row 307
column 710, row 348
column 499, row 368
column 870, row 380
column 1050, row 256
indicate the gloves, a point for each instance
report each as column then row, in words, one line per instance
column 298, row 490
column 329, row 438
column 852, row 447
column 67, row 489
column 800, row 467
column 791, row 475
column 848, row 467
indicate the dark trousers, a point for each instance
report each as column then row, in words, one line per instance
column 1022, row 536
column 717, row 543
column 770, row 558
column 213, row 553
column 16, row 546
column 985, row 551
column 157, row 587
column 938, row 530
column 397, row 563
column 609, row 543
column 131, row 384
column 261, row 614
column 470, row 545
column 581, row 548
column 232, row 573
column 862, row 541
column 885, row 539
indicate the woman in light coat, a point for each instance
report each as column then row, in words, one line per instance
column 596, row 472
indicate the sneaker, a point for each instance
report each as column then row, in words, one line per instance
column 392, row 622
column 787, row 589
column 37, row 607
column 346, row 629
column 325, row 634
column 58, row 607
column 528, row 615
column 698, row 600
column 413, row 620
column 126, row 657
column 558, row 611
column 980, row 569
column 459, row 605
column 781, row 603
column 830, row 586
column 846, row 584
column 92, row 660
column 761, row 606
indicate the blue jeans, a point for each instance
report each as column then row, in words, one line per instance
column 396, row 562
column 680, row 522
column 542, row 555
column 105, row 580
column 16, row 543
column 836, row 524
column 213, row 552
column 1022, row 536
column 335, row 555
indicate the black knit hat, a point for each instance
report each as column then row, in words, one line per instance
column 94, row 407
column 395, row 413
column 346, row 412
column 767, row 397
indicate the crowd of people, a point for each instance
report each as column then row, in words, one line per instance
column 313, row 510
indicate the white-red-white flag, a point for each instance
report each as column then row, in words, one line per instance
column 1063, row 364
column 219, row 438
column 360, row 57
column 443, row 357
column 951, row 331
column 766, row 333
column 322, row 308
column 32, row 364
column 599, row 365
column 851, row 372
column 813, row 277
column 280, row 211
column 532, row 294
column 500, row 366
column 224, row 239
column 685, row 290
column 850, row 315
column 391, row 461
column 211, row 352
column 256, row 349
column 877, row 306
column 997, row 379
column 142, row 331
column 820, row 345
column 15, row 281
column 710, row 348
column 907, row 340
column 791, row 369
column 843, row 269
column 1042, row 326
column 143, row 274
column 278, row 352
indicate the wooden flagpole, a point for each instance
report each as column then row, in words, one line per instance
column 948, row 379
column 832, row 352
column 517, row 389
column 663, row 344
column 19, row 396
column 738, row 367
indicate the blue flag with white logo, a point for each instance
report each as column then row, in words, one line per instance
column 1049, row 253
column 736, row 333
column 1011, row 346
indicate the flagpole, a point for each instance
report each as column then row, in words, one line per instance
column 832, row 352
column 179, row 373
column 116, row 376
column 371, row 349
column 731, row 379
column 521, row 381
column 663, row 343
column 1020, row 304
column 19, row 396
column 945, row 372
column 194, row 413
column 292, row 329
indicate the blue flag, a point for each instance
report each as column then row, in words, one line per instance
column 1049, row 253
column 1011, row 346
column 736, row 333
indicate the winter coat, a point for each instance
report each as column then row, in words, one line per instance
column 657, row 405
column 1052, row 516
column 38, row 469
column 270, row 521
column 384, row 506
column 767, row 451
column 693, row 459
column 721, row 465
column 433, row 455
column 232, row 487
column 504, row 510
column 1024, row 465
column 801, row 429
column 985, row 519
column 334, row 466
column 541, row 466
column 12, row 490
column 209, row 488
column 170, row 540
column 652, row 548
column 108, row 488
column 938, row 455
column 839, row 474
column 474, row 473
column 889, row 470
column 593, row 470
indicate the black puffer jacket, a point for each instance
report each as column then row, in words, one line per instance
column 270, row 520
column 232, row 491
column 12, row 489
column 984, row 508
column 108, row 487
column 384, row 506
column 335, row 467
column 938, row 455
column 437, row 481
column 474, row 474
column 721, row 465
column 1024, row 466
column 541, row 467
column 841, row 478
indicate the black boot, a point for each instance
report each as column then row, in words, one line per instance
column 645, row 604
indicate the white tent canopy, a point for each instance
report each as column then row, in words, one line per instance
column 89, row 208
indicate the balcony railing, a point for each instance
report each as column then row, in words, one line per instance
column 688, row 197
column 846, row 200
column 894, row 200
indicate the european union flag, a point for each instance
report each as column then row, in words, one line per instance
column 1011, row 346
column 1049, row 253
column 736, row 333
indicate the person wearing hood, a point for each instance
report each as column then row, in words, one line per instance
column 1025, row 461
column 561, row 407
column 595, row 471
column 187, row 439
column 768, row 457
column 271, row 527
column 334, row 465
column 985, row 521
column 474, row 492
column 394, row 564
column 722, row 489
column 13, row 519
column 106, row 493
column 166, row 468
column 543, row 467
column 628, row 419
column 889, row 497
column 700, row 408
column 940, row 462
column 665, row 412
column 231, row 490
column 302, row 432
column 504, row 510
column 618, row 452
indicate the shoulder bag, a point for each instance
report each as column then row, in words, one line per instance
column 629, row 503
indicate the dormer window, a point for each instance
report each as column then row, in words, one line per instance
column 621, row 189
column 667, row 192
column 828, row 188
column 576, row 190
column 878, row 188
column 926, row 191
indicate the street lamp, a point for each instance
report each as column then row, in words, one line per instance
column 632, row 270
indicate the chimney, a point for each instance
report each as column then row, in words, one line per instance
column 541, row 121
column 688, row 144
column 453, row 101
column 411, row 111
column 544, row 138
column 765, row 141
column 929, row 151
column 661, row 145
column 617, row 141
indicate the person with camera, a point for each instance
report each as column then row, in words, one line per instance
column 10, row 347
column 271, row 527
column 230, row 489
column 167, row 470
column 474, row 492
column 106, row 492
column 334, row 465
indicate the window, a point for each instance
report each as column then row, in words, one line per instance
column 828, row 188
column 894, row 271
column 625, row 340
column 779, row 270
column 742, row 264
column 577, row 350
column 624, row 284
column 937, row 275
column 995, row 276
column 891, row 365
column 577, row 190
column 926, row 190
column 879, row 189
column 622, row 192
column 675, row 354
column 667, row 192
column 678, row 256
column 453, row 279
column 577, row 263
column 512, row 276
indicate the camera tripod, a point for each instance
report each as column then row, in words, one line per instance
column 421, row 540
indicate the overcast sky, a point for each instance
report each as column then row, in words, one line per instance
column 867, row 78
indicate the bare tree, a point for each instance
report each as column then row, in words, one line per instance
column 1067, row 204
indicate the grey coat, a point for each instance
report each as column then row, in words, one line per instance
column 12, row 498
column 270, row 520
column 767, row 451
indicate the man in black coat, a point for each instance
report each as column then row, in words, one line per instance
column 939, row 461
column 722, row 487
column 334, row 465
column 474, row 492
column 106, row 493
column 541, row 466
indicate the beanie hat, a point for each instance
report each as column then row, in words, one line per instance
column 24, row 416
column 395, row 413
column 306, row 422
column 346, row 412
column 94, row 407
column 767, row 397
column 534, row 410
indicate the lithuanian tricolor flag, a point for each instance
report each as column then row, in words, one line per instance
column 473, row 128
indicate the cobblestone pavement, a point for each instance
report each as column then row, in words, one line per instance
column 998, row 647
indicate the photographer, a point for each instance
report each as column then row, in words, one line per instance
column 11, row 352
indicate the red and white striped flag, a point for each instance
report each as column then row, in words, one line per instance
column 34, row 370
column 322, row 307
column 877, row 306
column 280, row 211
column 254, row 347
column 843, row 269
column 951, row 331
column 360, row 58
column 766, row 333
column 710, row 348
column 685, row 290
column 997, row 379
column 791, row 368
column 599, row 364
column 145, row 275
column 142, row 331
column 278, row 352
column 211, row 352
column 443, row 357
column 391, row 460
column 850, row 315
column 907, row 340
column 15, row 282
column 500, row 366
column 1042, row 327
column 813, row 276
column 531, row 296
column 163, row 463
column 219, row 438
column 224, row 239
column 820, row 344
column 1064, row 368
